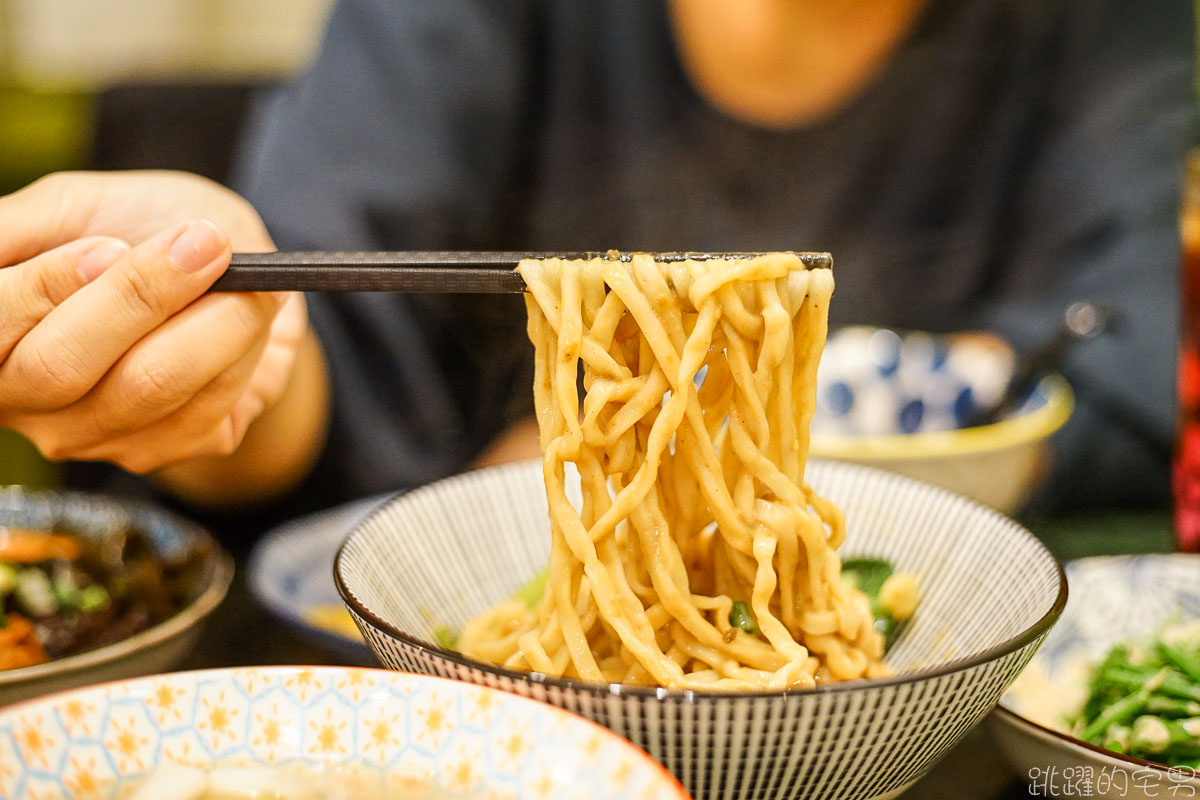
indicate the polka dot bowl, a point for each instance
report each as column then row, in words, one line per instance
column 903, row 402
column 394, row 734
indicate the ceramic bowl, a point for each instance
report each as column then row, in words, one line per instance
column 375, row 728
column 152, row 650
column 990, row 592
column 1113, row 599
column 902, row 402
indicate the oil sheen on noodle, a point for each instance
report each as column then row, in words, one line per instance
column 690, row 442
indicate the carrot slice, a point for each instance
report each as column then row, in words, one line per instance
column 19, row 647
column 21, row 546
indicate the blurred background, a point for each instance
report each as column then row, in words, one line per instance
column 167, row 88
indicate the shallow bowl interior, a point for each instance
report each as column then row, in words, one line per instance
column 438, row 555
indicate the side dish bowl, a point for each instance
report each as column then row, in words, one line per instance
column 151, row 650
column 375, row 733
column 1113, row 599
column 438, row 555
column 903, row 403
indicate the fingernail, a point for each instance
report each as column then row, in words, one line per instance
column 197, row 246
column 92, row 263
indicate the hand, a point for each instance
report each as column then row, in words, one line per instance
column 109, row 348
column 517, row 443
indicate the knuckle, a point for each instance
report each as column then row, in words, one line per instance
column 48, row 376
column 141, row 296
column 38, row 291
column 226, row 440
column 53, row 448
column 153, row 384
column 139, row 463
column 48, row 439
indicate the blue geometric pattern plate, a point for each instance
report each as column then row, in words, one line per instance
column 387, row 733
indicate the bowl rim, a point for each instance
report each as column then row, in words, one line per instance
column 213, row 592
column 1040, row 627
column 1004, row 712
column 1006, row 433
column 21, row 706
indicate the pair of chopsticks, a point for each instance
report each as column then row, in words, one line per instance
column 418, row 272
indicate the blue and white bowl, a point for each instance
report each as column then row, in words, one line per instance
column 990, row 591
column 902, row 402
column 1113, row 599
column 409, row 735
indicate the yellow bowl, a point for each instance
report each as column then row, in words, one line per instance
column 995, row 464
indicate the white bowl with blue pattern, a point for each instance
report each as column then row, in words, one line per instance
column 903, row 402
column 1112, row 599
column 377, row 729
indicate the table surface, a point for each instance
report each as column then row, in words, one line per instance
column 975, row 769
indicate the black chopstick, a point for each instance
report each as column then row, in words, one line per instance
column 461, row 272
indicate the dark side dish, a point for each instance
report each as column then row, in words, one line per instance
column 62, row 592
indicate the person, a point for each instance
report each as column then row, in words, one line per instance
column 969, row 163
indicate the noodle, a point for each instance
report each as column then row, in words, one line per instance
column 690, row 444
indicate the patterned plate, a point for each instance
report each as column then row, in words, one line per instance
column 407, row 731
column 1113, row 599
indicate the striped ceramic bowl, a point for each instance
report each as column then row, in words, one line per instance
column 438, row 555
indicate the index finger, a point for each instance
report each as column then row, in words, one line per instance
column 31, row 290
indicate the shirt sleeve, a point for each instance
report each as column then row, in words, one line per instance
column 1096, row 219
column 403, row 135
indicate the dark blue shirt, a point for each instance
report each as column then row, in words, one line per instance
column 1012, row 157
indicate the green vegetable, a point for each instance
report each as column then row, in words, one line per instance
column 1116, row 738
column 8, row 579
column 445, row 637
column 533, row 591
column 1156, row 735
column 1118, row 713
column 1171, row 708
column 740, row 616
column 866, row 574
column 1144, row 701
column 66, row 593
column 1172, row 685
column 888, row 627
column 1185, row 662
column 93, row 598
column 34, row 594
